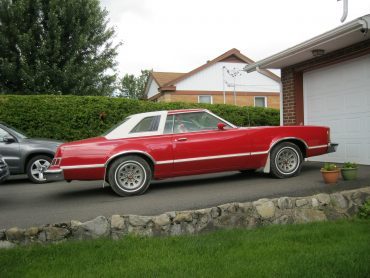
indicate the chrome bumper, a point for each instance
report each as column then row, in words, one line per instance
column 332, row 147
column 54, row 175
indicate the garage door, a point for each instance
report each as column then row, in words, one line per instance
column 338, row 96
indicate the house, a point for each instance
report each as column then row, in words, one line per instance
column 326, row 81
column 221, row 80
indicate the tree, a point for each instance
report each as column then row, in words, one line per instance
column 56, row 47
column 134, row 87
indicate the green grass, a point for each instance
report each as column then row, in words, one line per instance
column 332, row 249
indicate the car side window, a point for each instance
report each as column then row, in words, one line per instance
column 168, row 127
column 3, row 133
column 148, row 124
column 197, row 121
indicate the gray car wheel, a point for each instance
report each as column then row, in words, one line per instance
column 129, row 175
column 36, row 168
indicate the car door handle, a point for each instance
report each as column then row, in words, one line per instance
column 181, row 139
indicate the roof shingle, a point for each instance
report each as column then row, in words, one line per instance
column 165, row 77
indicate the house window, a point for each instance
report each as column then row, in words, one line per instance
column 260, row 101
column 205, row 99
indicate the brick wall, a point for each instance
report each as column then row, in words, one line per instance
column 272, row 101
column 292, row 81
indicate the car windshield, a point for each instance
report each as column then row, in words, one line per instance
column 115, row 126
column 16, row 132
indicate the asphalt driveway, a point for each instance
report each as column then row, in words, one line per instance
column 24, row 204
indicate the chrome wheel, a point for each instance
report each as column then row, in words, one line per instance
column 130, row 176
column 38, row 167
column 287, row 160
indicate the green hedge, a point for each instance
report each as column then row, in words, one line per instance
column 70, row 118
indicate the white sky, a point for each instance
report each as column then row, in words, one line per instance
column 180, row 35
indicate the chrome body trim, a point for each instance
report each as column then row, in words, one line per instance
column 210, row 157
column 164, row 162
column 287, row 138
column 258, row 153
column 56, row 171
column 129, row 152
column 88, row 166
column 318, row 147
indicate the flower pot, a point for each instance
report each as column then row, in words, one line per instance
column 349, row 174
column 330, row 176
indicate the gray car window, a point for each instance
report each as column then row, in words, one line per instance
column 3, row 133
column 16, row 132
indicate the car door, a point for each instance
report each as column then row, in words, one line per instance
column 200, row 146
column 10, row 151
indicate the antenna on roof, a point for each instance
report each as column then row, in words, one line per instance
column 345, row 10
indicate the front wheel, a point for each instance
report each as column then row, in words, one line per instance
column 286, row 160
column 129, row 175
column 36, row 168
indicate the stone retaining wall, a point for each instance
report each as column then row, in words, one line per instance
column 284, row 210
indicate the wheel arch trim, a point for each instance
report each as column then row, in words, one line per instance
column 32, row 154
column 274, row 143
column 133, row 152
column 267, row 167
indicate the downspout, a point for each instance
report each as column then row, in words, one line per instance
column 223, row 83
column 281, row 103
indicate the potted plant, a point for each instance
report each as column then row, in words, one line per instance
column 330, row 173
column 349, row 171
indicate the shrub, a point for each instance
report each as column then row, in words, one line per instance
column 70, row 118
column 364, row 210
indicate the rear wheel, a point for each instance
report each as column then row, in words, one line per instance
column 36, row 168
column 286, row 160
column 129, row 175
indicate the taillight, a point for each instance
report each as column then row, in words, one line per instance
column 56, row 162
column 328, row 132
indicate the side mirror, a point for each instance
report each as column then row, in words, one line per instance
column 221, row 126
column 8, row 139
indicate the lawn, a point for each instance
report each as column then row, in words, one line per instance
column 331, row 249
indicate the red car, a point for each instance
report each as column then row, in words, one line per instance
column 164, row 144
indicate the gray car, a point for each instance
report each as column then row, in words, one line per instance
column 4, row 170
column 26, row 155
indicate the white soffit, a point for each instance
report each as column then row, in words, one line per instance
column 350, row 33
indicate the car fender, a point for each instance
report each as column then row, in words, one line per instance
column 128, row 152
column 27, row 154
column 275, row 141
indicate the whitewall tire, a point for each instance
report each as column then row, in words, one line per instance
column 129, row 175
column 286, row 160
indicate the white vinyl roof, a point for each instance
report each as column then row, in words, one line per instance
column 347, row 34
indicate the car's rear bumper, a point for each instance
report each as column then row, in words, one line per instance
column 332, row 147
column 54, row 175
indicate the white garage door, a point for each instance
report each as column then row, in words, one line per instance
column 338, row 96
